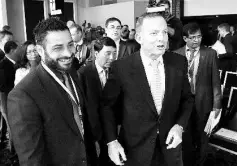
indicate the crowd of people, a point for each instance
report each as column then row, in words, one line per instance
column 147, row 96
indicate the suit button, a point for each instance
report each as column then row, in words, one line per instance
column 84, row 160
column 153, row 140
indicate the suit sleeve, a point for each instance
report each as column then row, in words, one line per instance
column 26, row 128
column 216, row 83
column 110, row 96
column 187, row 99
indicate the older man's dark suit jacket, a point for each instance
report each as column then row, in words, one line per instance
column 140, row 120
column 127, row 48
column 207, row 87
column 41, row 119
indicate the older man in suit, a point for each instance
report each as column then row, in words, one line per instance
column 93, row 77
column 113, row 30
column 154, row 93
column 46, row 110
column 206, row 87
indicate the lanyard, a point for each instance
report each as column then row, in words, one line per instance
column 62, row 85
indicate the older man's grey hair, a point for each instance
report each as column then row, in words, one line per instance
column 140, row 19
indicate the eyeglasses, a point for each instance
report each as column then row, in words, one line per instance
column 195, row 37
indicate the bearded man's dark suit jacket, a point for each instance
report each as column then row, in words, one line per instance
column 207, row 90
column 41, row 119
column 127, row 48
column 140, row 120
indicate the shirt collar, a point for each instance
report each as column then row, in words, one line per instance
column 98, row 67
column 188, row 49
column 10, row 59
column 80, row 42
column 56, row 72
column 147, row 61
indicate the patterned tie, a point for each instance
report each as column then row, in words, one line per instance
column 78, row 52
column 156, row 86
column 78, row 113
column 191, row 69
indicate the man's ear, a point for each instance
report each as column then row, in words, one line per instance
column 96, row 54
column 40, row 51
column 185, row 38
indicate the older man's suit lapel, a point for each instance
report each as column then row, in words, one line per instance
column 56, row 93
column 139, row 76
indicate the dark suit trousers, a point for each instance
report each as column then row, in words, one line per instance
column 195, row 140
column 166, row 157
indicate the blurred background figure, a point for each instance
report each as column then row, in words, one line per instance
column 125, row 33
column 175, row 26
column 5, row 36
column 132, row 34
column 6, row 28
column 28, row 59
column 70, row 23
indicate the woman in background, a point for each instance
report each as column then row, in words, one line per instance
column 29, row 59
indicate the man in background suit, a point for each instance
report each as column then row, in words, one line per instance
column 227, row 60
column 82, row 51
column 154, row 93
column 7, row 78
column 205, row 85
column 46, row 110
column 93, row 77
column 113, row 30
column 5, row 36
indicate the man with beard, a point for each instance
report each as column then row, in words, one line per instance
column 175, row 26
column 46, row 110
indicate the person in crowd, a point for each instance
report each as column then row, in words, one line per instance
column 70, row 23
column 232, row 30
column 227, row 62
column 5, row 36
column 82, row 51
column 113, row 30
column 125, row 32
column 46, row 110
column 153, row 91
column 93, row 77
column 203, row 72
column 7, row 77
column 175, row 26
column 132, row 34
column 6, row 28
column 28, row 60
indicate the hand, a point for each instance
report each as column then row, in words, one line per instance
column 174, row 137
column 97, row 146
column 115, row 150
column 208, row 127
column 171, row 31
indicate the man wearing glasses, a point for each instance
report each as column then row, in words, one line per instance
column 113, row 30
column 206, row 87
